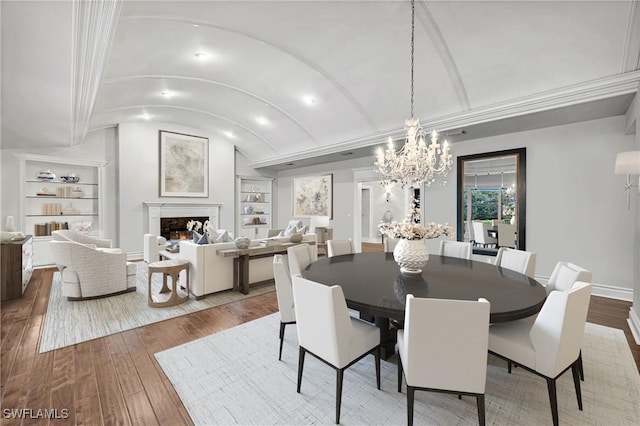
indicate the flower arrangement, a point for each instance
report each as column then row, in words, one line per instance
column 194, row 225
column 407, row 229
column 197, row 226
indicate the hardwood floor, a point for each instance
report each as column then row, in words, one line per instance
column 115, row 380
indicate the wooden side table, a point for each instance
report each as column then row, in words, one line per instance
column 175, row 295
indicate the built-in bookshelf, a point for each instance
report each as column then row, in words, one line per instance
column 253, row 206
column 58, row 193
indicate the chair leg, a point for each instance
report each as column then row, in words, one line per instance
column 580, row 366
column 282, row 326
column 553, row 400
column 301, row 354
column 339, row 376
column 410, row 397
column 399, row 374
column 481, row 417
column 377, row 356
column 575, row 369
column 509, row 366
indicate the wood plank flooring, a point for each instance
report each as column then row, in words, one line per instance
column 115, row 380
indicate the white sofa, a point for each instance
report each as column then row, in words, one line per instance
column 210, row 273
column 153, row 245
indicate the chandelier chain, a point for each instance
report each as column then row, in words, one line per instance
column 413, row 28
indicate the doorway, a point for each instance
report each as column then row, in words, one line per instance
column 365, row 214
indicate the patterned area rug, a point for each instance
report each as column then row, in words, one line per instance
column 234, row 377
column 67, row 323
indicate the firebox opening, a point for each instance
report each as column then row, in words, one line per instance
column 175, row 228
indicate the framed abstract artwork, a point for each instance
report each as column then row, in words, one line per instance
column 313, row 196
column 184, row 165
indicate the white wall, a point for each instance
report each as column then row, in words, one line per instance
column 576, row 206
column 138, row 160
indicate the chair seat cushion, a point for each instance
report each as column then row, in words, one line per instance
column 511, row 340
column 364, row 337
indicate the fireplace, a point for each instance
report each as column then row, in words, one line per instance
column 175, row 228
column 169, row 219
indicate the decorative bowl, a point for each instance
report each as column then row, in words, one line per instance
column 242, row 242
column 70, row 178
column 248, row 209
column 45, row 175
column 295, row 238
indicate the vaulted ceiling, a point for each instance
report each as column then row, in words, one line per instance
column 289, row 80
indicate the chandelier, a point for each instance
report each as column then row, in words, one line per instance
column 416, row 162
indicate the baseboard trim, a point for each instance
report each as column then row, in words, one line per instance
column 634, row 324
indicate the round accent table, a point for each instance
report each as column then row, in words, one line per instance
column 168, row 296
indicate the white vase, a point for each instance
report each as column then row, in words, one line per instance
column 411, row 255
column 10, row 225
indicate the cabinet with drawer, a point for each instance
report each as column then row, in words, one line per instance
column 17, row 267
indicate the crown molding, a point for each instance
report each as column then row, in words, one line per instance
column 576, row 94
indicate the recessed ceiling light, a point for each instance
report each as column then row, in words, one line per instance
column 201, row 55
column 166, row 94
column 309, row 100
column 262, row 121
column 145, row 116
column 229, row 134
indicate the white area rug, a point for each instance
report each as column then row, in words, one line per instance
column 67, row 323
column 234, row 377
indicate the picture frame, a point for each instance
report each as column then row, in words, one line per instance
column 184, row 165
column 313, row 196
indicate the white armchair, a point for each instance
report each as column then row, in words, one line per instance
column 90, row 272
column 153, row 245
column 79, row 237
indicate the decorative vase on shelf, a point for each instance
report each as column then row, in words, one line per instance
column 10, row 224
column 411, row 255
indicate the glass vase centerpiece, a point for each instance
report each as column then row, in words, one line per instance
column 411, row 252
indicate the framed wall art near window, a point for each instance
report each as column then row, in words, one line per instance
column 313, row 196
column 184, row 165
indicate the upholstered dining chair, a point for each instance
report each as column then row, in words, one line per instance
column 506, row 235
column 517, row 260
column 550, row 345
column 389, row 244
column 300, row 256
column 481, row 234
column 284, row 293
column 326, row 331
column 440, row 336
column 456, row 249
column 565, row 275
column 339, row 247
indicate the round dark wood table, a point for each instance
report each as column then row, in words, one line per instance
column 372, row 284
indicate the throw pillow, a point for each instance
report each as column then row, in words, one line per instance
column 222, row 236
column 203, row 240
column 196, row 237
column 301, row 230
column 288, row 231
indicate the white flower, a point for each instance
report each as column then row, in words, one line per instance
column 194, row 225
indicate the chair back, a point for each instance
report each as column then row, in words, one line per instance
column 481, row 234
column 322, row 320
column 506, row 235
column 558, row 330
column 445, row 343
column 458, row 249
column 339, row 247
column 300, row 257
column 389, row 244
column 565, row 275
column 517, row 260
column 284, row 289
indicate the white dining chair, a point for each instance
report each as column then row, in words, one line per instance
column 389, row 244
column 443, row 348
column 550, row 345
column 481, row 234
column 520, row 261
column 458, row 249
column 327, row 332
column 284, row 293
column 506, row 235
column 565, row 275
column 339, row 247
column 300, row 256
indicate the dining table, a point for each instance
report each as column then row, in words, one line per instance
column 373, row 285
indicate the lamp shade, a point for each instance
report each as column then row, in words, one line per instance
column 628, row 163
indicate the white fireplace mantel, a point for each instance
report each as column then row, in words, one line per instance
column 163, row 209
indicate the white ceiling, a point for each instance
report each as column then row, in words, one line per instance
column 72, row 67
